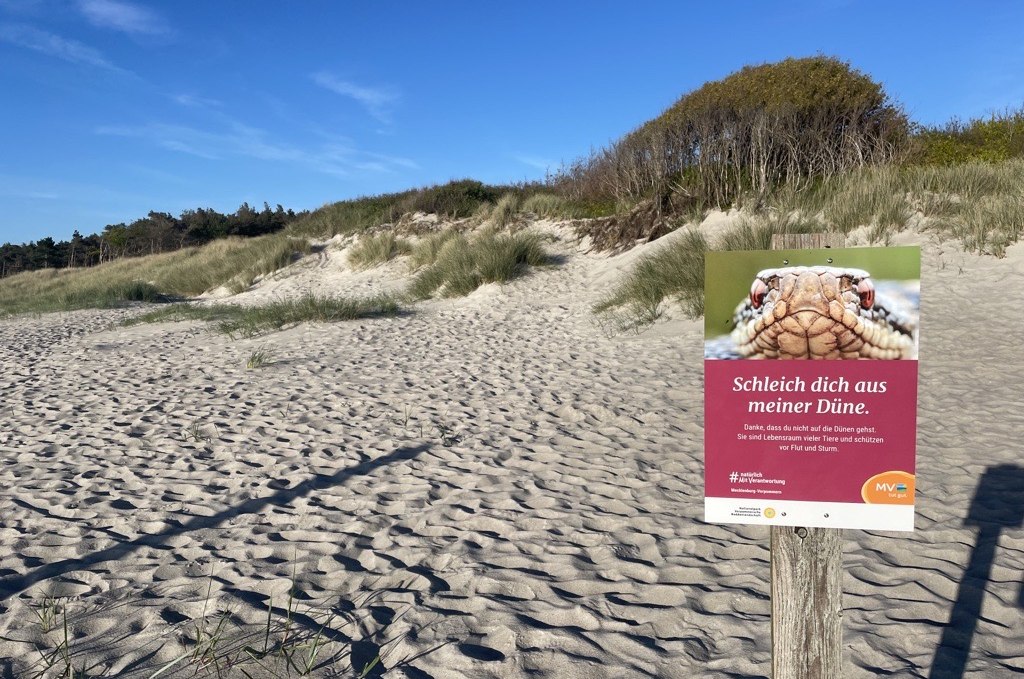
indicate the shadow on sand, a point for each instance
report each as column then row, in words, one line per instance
column 998, row 503
column 363, row 651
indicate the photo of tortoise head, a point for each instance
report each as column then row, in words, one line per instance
column 821, row 312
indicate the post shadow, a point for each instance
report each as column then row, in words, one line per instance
column 998, row 503
column 12, row 585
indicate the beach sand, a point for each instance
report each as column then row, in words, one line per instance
column 490, row 486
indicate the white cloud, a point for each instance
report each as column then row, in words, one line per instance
column 376, row 100
column 123, row 16
column 55, row 46
column 195, row 101
column 240, row 140
column 535, row 162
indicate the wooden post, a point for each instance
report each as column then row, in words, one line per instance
column 806, row 570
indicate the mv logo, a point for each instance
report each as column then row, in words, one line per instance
column 889, row 488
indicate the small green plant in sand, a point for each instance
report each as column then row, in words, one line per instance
column 252, row 321
column 287, row 641
column 372, row 251
column 47, row 612
column 58, row 661
column 462, row 264
column 259, row 358
column 194, row 432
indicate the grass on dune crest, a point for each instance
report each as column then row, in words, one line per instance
column 457, row 265
column 979, row 204
column 234, row 262
column 245, row 321
column 371, row 251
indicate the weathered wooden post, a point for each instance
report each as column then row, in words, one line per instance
column 806, row 570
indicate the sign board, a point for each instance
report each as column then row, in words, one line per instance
column 790, row 439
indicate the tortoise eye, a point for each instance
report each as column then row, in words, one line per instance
column 757, row 292
column 866, row 291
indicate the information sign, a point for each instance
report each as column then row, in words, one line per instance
column 811, row 387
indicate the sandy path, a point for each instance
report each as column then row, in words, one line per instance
column 489, row 487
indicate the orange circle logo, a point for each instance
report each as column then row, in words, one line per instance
column 889, row 488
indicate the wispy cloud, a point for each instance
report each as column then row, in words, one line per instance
column 536, row 162
column 123, row 16
column 239, row 140
column 195, row 101
column 376, row 100
column 55, row 46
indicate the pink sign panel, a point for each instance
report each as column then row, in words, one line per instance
column 811, row 387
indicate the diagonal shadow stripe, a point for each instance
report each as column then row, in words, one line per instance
column 15, row 584
column 998, row 504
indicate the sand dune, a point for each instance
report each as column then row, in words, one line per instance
column 486, row 487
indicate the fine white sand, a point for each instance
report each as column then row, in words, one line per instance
column 485, row 487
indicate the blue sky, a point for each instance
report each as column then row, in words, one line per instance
column 110, row 108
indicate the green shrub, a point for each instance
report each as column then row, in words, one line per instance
column 997, row 138
column 455, row 199
column 372, row 251
column 763, row 126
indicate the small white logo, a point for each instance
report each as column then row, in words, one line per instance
column 734, row 477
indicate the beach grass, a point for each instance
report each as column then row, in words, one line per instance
column 371, row 251
column 461, row 264
column 232, row 262
column 505, row 211
column 675, row 270
column 426, row 250
column 252, row 321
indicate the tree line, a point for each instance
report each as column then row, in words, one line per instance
column 156, row 232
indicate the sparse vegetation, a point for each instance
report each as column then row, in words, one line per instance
column 259, row 358
column 462, row 264
column 252, row 321
column 218, row 643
